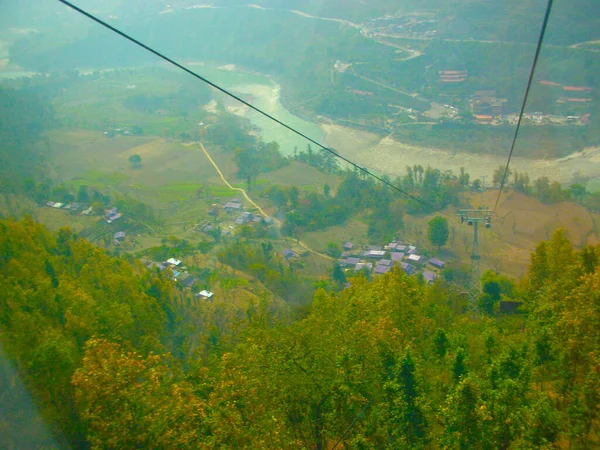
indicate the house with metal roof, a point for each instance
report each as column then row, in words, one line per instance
column 437, row 263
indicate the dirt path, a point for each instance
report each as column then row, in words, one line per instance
column 245, row 194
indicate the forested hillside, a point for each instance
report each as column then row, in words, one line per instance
column 391, row 363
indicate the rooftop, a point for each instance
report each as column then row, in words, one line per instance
column 429, row 276
column 437, row 262
column 382, row 269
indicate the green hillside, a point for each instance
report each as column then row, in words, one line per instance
column 391, row 363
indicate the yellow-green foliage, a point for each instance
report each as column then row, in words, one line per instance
column 390, row 364
column 57, row 292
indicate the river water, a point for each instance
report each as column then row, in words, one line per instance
column 264, row 93
column 386, row 155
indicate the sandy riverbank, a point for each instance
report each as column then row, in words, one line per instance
column 389, row 156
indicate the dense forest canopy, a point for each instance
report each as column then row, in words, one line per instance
column 389, row 363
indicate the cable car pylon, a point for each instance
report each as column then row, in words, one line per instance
column 473, row 217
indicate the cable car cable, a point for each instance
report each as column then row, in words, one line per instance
column 531, row 74
column 249, row 105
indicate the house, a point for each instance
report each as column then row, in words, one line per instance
column 114, row 217
column 408, row 268
column 361, row 266
column 483, row 118
column 509, row 307
column 239, row 221
column 352, row 261
column 437, row 263
column 397, row 256
column 385, row 262
column 268, row 220
column 376, row 248
column 401, row 248
column 375, row 254
column 288, row 253
column 416, row 259
column 247, row 217
column 205, row 294
column 119, row 235
column 381, row 270
column 186, row 280
column 257, row 218
column 429, row 277
column 173, row 261
column 232, row 206
column 348, row 246
column 159, row 266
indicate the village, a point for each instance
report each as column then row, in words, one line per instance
column 370, row 259
column 379, row 260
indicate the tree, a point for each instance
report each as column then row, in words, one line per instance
column 326, row 190
column 440, row 343
column 499, row 175
column 338, row 275
column 293, row 195
column 459, row 365
column 136, row 161
column 82, row 194
column 131, row 401
column 333, row 250
column 438, row 231
column 464, row 178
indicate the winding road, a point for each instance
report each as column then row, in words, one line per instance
column 253, row 203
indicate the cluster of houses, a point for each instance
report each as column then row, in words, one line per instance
column 179, row 274
column 236, row 207
column 110, row 215
column 380, row 260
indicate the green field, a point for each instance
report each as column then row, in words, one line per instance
column 353, row 231
column 302, row 176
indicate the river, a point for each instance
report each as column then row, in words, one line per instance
column 264, row 93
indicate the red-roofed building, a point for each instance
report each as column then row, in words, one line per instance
column 549, row 83
column 577, row 88
column 483, row 118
